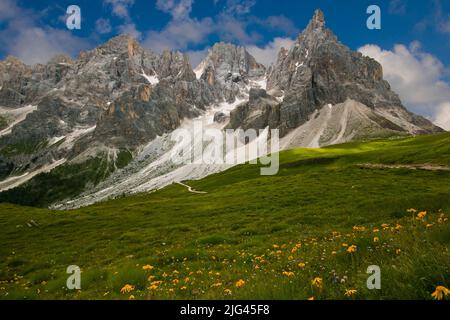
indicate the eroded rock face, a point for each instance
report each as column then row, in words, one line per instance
column 261, row 111
column 118, row 95
column 318, row 71
column 229, row 69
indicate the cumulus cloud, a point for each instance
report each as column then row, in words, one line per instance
column 8, row 10
column 130, row 28
column 180, row 34
column 25, row 39
column 103, row 26
column 232, row 24
column 233, row 29
column 267, row 55
column 418, row 77
column 178, row 9
column 181, row 31
column 38, row 45
column 442, row 117
column 120, row 8
column 281, row 23
column 239, row 7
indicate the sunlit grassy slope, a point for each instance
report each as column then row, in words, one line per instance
column 275, row 233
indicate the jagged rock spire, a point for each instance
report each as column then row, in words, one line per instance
column 317, row 21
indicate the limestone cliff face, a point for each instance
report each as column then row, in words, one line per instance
column 229, row 69
column 319, row 71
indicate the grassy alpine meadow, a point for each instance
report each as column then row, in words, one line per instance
column 310, row 232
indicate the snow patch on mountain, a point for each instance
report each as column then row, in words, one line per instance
column 153, row 168
column 15, row 181
column 16, row 116
column 153, row 80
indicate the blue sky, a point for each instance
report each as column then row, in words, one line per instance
column 413, row 44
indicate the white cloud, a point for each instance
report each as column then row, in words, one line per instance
column 239, row 7
column 281, row 23
column 103, row 26
column 8, row 9
column 178, row 9
column 130, row 28
column 234, row 29
column 38, row 45
column 443, row 116
column 24, row 38
column 418, row 77
column 120, row 8
column 181, row 31
column 269, row 53
column 180, row 34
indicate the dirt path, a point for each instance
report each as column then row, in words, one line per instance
column 424, row 166
column 190, row 188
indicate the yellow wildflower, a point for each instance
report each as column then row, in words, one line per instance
column 227, row 292
column 421, row 215
column 301, row 265
column 147, row 267
column 288, row 274
column 240, row 283
column 376, row 239
column 385, row 226
column 317, row 282
column 352, row 249
column 440, row 293
column 131, row 297
column 412, row 210
column 350, row 292
column 216, row 285
column 127, row 288
column 398, row 227
column 311, row 299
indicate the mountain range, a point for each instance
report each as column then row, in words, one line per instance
column 76, row 132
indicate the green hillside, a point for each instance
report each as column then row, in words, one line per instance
column 329, row 214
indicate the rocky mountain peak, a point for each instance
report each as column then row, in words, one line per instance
column 317, row 21
column 121, row 43
column 230, row 63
